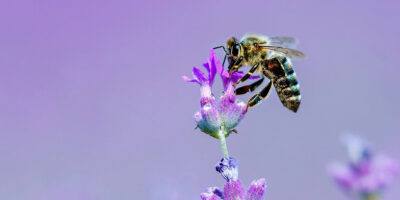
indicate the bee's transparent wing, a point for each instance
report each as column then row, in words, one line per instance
column 292, row 53
column 287, row 42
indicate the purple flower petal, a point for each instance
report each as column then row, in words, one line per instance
column 199, row 75
column 206, row 196
column 211, row 66
column 218, row 192
column 187, row 79
column 234, row 190
column 235, row 76
column 343, row 176
column 256, row 190
column 212, row 193
column 384, row 170
column 211, row 76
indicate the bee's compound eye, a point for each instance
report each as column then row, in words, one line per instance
column 235, row 50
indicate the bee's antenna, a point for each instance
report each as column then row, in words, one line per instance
column 223, row 48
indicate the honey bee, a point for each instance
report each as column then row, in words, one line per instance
column 270, row 57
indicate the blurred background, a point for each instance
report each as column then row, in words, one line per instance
column 93, row 106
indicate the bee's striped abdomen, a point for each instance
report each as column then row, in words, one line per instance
column 287, row 87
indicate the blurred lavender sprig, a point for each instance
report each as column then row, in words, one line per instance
column 367, row 175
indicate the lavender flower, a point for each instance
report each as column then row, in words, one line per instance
column 215, row 119
column 233, row 189
column 219, row 120
column 366, row 175
column 228, row 168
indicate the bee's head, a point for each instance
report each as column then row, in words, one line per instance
column 233, row 47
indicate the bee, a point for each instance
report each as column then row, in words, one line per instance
column 270, row 57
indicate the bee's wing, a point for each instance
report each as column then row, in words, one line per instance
column 292, row 53
column 287, row 42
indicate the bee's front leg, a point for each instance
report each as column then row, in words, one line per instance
column 232, row 69
column 245, row 77
column 235, row 66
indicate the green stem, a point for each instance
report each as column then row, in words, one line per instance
column 371, row 197
column 222, row 139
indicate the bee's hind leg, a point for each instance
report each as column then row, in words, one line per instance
column 256, row 99
column 246, row 76
column 249, row 88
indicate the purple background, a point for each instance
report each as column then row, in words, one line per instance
column 93, row 107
